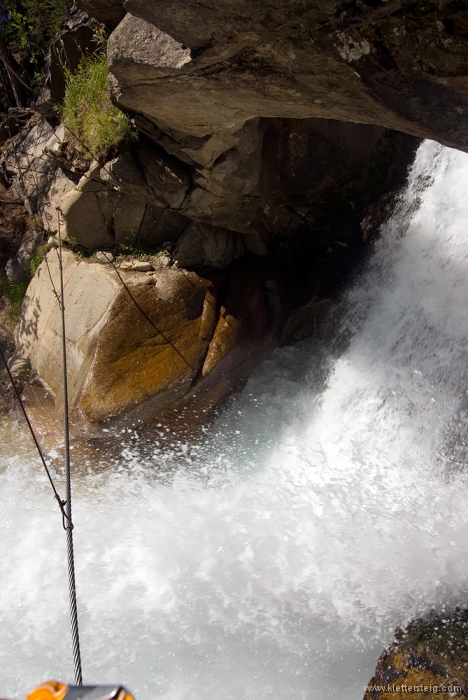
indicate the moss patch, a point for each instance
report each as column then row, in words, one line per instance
column 430, row 656
column 445, row 635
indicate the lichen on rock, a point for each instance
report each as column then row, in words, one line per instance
column 429, row 658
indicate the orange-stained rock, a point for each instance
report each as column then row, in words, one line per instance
column 247, row 331
column 151, row 347
column 143, row 345
column 429, row 659
column 135, row 344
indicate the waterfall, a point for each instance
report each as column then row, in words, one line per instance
column 324, row 508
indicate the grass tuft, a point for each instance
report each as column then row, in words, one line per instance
column 36, row 260
column 88, row 111
column 14, row 292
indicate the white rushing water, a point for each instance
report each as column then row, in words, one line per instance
column 326, row 506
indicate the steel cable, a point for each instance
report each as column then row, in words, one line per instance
column 69, row 529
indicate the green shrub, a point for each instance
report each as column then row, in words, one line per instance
column 80, row 250
column 14, row 291
column 88, row 111
column 136, row 249
column 27, row 29
column 33, row 23
column 34, row 264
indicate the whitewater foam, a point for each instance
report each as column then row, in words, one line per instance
column 325, row 507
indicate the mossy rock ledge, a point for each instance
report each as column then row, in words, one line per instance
column 428, row 659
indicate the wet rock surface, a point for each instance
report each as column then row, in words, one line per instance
column 140, row 341
column 428, row 659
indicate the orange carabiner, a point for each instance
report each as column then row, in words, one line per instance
column 50, row 690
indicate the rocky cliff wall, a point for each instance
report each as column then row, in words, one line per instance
column 272, row 136
column 296, row 215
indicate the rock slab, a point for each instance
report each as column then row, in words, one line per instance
column 112, row 370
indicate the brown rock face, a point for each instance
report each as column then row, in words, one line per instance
column 140, row 343
column 135, row 342
column 399, row 64
column 171, row 316
column 429, row 659
column 247, row 330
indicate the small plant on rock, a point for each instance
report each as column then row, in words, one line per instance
column 14, row 292
column 134, row 250
column 36, row 260
column 89, row 113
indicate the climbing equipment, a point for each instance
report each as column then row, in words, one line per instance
column 53, row 690
column 68, row 499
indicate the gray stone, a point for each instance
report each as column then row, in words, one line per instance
column 104, row 257
column 151, row 175
column 399, row 65
column 142, row 266
column 139, row 43
column 96, row 214
column 127, row 219
column 32, row 162
column 87, row 214
column 201, row 244
column 114, row 372
column 60, row 184
column 167, row 178
column 18, row 267
column 222, row 194
column 159, row 225
column 202, row 150
column 124, row 174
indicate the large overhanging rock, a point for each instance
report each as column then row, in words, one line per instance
column 400, row 64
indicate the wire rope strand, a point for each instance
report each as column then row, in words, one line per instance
column 68, row 505
column 59, row 500
column 65, row 505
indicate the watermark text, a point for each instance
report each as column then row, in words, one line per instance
column 394, row 688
